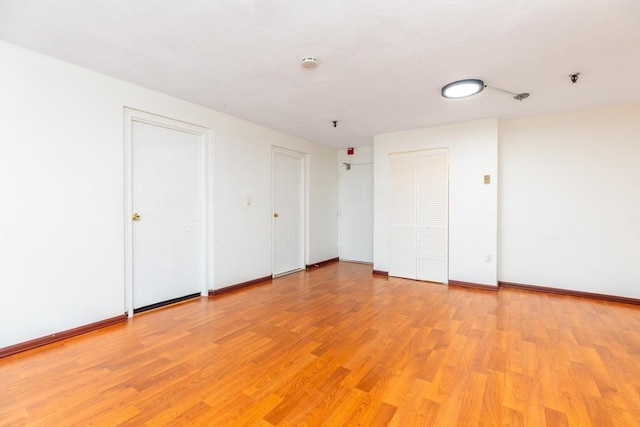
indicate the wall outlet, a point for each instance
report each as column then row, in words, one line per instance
column 488, row 259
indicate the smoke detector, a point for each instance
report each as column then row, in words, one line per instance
column 309, row 62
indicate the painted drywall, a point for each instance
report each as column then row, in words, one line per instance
column 473, row 150
column 61, row 193
column 570, row 201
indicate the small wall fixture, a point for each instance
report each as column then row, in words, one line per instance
column 469, row 87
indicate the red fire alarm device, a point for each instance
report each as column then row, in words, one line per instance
column 350, row 151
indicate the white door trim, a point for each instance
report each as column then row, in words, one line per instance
column 275, row 150
column 206, row 191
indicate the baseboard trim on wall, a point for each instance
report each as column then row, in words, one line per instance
column 472, row 285
column 569, row 292
column 213, row 292
column 322, row 263
column 59, row 336
column 380, row 273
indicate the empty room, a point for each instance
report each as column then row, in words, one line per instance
column 320, row 213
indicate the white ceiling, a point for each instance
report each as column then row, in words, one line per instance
column 381, row 63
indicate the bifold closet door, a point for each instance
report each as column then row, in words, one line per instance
column 402, row 216
column 432, row 213
column 418, row 215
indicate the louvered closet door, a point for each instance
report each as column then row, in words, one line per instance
column 418, row 215
column 402, row 216
column 432, row 212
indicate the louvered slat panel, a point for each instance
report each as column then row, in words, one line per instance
column 402, row 251
column 432, row 215
column 432, row 254
column 432, row 189
column 402, row 217
column 402, row 200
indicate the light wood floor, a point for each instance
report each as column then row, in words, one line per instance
column 337, row 346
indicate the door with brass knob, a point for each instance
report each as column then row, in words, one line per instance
column 288, row 211
column 166, row 184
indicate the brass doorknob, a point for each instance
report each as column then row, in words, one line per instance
column 275, row 215
column 135, row 217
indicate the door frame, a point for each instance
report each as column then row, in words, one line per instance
column 275, row 150
column 132, row 115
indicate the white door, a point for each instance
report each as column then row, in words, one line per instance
column 356, row 212
column 432, row 193
column 168, row 236
column 418, row 215
column 288, row 211
column 402, row 216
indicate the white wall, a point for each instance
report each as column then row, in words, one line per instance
column 570, row 201
column 242, row 168
column 472, row 204
column 61, row 193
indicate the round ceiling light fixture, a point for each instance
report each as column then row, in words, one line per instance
column 462, row 88
column 309, row 62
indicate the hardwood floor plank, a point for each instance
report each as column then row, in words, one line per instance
column 471, row 403
column 337, row 346
column 491, row 410
column 514, row 391
column 251, row 414
column 555, row 418
column 551, row 392
column 321, row 407
column 574, row 405
column 512, row 418
column 534, row 412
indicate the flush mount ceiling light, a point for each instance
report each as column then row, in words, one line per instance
column 469, row 87
column 462, row 88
